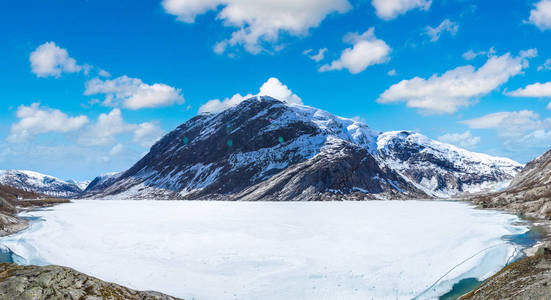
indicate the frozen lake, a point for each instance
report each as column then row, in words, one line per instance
column 268, row 250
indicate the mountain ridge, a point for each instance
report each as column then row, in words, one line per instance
column 234, row 154
column 40, row 183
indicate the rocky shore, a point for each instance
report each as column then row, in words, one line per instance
column 528, row 278
column 55, row 282
column 529, row 195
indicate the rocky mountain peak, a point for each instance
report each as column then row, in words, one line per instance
column 264, row 144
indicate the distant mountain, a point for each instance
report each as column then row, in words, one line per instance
column 529, row 192
column 101, row 182
column 81, row 184
column 39, row 183
column 442, row 170
column 264, row 149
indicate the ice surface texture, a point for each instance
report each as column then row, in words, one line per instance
column 271, row 250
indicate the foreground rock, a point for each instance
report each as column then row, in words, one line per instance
column 529, row 278
column 529, row 193
column 55, row 282
column 264, row 149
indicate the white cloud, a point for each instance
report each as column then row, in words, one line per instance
column 546, row 65
column 273, row 88
column 116, row 150
column 109, row 126
column 316, row 57
column 35, row 119
column 445, row 26
column 258, row 21
column 50, row 60
column 520, row 131
column 458, row 87
column 367, row 50
column 464, row 140
column 132, row 93
column 392, row 73
column 549, row 105
column 104, row 73
column 390, row 9
column 509, row 124
column 106, row 129
column 540, row 16
column 470, row 55
column 146, row 134
column 536, row 90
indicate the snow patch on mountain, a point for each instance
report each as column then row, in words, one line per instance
column 39, row 183
column 443, row 170
column 263, row 143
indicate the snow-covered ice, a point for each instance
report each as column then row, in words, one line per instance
column 273, row 250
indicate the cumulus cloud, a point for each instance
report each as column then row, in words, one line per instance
column 133, row 94
column 50, row 60
column 366, row 50
column 445, row 26
column 470, row 55
column 536, row 90
column 259, row 21
column 509, row 124
column 390, row 9
column 105, row 130
column 458, row 87
column 116, row 150
column 109, row 126
column 273, row 88
column 540, row 16
column 519, row 130
column 35, row 119
column 316, row 57
column 463, row 140
column 392, row 73
column 104, row 73
column 546, row 65
column 146, row 134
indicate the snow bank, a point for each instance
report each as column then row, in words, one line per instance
column 223, row 250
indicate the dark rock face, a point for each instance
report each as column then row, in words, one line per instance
column 341, row 171
column 529, row 192
column 263, row 149
column 55, row 282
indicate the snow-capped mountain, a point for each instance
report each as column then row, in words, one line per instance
column 39, row 183
column 82, row 185
column 442, row 170
column 101, row 182
column 264, row 149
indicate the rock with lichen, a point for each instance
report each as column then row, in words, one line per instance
column 55, row 282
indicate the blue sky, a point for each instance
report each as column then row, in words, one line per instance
column 88, row 86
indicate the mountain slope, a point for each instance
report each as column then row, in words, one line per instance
column 443, row 170
column 529, row 192
column 264, row 149
column 39, row 183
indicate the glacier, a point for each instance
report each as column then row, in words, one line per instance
column 273, row 250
